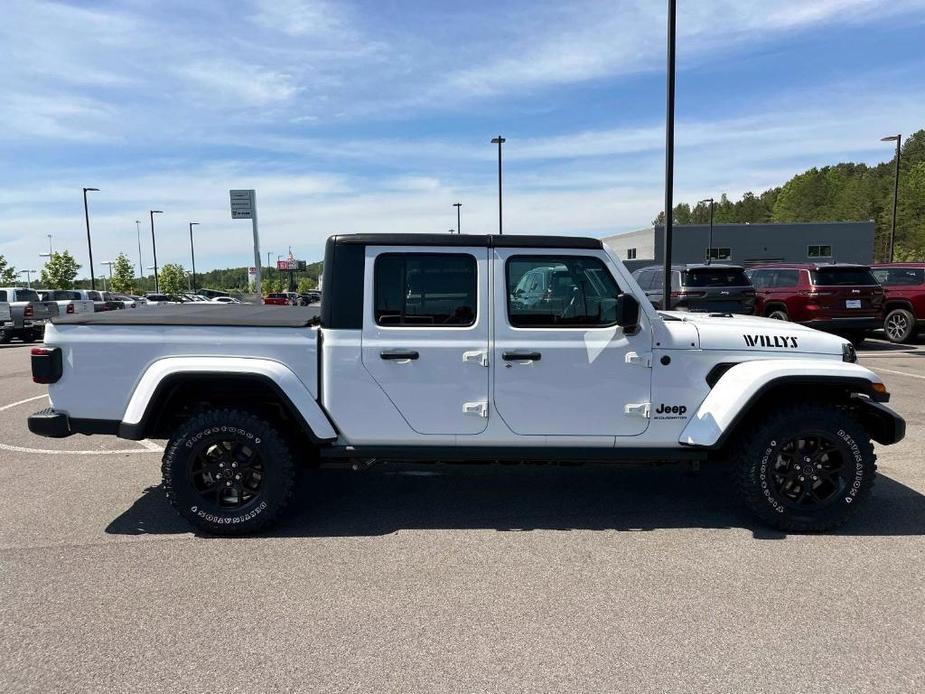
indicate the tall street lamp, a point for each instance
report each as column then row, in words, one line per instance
column 457, row 205
column 499, row 141
column 898, row 139
column 669, row 151
column 710, row 245
column 28, row 274
column 89, row 243
column 141, row 272
column 109, row 263
column 192, row 253
column 157, row 287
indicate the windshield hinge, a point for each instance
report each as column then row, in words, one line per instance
column 639, row 359
column 638, row 409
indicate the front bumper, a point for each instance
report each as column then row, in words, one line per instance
column 883, row 425
column 56, row 425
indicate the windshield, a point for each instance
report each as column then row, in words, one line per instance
column 842, row 276
column 716, row 277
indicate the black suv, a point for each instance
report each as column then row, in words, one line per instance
column 716, row 287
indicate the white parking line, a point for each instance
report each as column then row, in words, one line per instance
column 898, row 373
column 146, row 446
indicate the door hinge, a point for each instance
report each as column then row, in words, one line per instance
column 478, row 356
column 638, row 409
column 639, row 359
column 479, row 408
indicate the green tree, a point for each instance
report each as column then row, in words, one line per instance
column 123, row 275
column 60, row 271
column 172, row 279
column 306, row 284
column 7, row 272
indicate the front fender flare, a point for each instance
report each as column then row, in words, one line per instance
column 300, row 400
column 743, row 385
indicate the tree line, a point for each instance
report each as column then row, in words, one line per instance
column 845, row 192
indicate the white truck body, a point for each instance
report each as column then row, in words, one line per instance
column 479, row 383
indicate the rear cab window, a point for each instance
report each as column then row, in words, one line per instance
column 26, row 295
column 425, row 289
column 566, row 291
column 842, row 276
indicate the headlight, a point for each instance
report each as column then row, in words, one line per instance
column 848, row 353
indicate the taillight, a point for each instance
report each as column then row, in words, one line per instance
column 46, row 364
column 70, row 308
column 29, row 311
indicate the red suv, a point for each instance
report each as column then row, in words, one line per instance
column 839, row 298
column 904, row 299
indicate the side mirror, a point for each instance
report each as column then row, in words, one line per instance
column 627, row 310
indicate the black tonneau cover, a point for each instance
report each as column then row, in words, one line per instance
column 232, row 315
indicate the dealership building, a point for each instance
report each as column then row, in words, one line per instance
column 750, row 244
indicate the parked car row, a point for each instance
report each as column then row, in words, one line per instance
column 292, row 298
column 846, row 299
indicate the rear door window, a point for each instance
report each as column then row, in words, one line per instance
column 842, row 276
column 715, row 277
column 426, row 289
column 785, row 278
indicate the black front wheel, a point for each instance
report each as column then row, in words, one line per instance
column 806, row 468
column 899, row 325
column 228, row 472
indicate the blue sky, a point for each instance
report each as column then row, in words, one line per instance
column 377, row 116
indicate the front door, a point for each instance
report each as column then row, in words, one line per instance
column 425, row 334
column 562, row 366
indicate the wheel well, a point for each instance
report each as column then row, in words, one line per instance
column 896, row 303
column 179, row 397
column 774, row 305
column 838, row 392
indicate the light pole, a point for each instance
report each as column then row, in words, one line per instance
column 141, row 272
column 192, row 253
column 499, row 141
column 51, row 250
column 29, row 274
column 109, row 263
column 898, row 139
column 89, row 243
column 710, row 245
column 457, row 205
column 157, row 287
column 269, row 253
column 669, row 152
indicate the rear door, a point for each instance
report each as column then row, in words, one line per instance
column 562, row 367
column 425, row 334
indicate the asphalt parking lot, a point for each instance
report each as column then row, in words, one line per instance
column 490, row 578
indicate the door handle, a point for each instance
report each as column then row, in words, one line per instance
column 397, row 354
column 521, row 356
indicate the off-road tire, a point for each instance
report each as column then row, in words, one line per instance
column 899, row 326
column 757, row 449
column 5, row 337
column 191, row 445
column 30, row 336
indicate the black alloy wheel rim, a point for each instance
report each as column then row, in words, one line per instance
column 227, row 473
column 809, row 471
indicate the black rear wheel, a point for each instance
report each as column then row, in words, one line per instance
column 807, row 468
column 228, row 472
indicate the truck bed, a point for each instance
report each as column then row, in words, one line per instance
column 230, row 315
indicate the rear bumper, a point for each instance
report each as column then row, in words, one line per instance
column 57, row 425
column 839, row 324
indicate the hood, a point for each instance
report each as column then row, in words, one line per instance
column 753, row 333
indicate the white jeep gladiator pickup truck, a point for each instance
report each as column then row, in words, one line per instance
column 437, row 348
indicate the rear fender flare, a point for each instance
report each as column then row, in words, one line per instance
column 295, row 394
column 743, row 385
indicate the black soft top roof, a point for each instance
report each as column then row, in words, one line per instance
column 233, row 315
column 488, row 240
